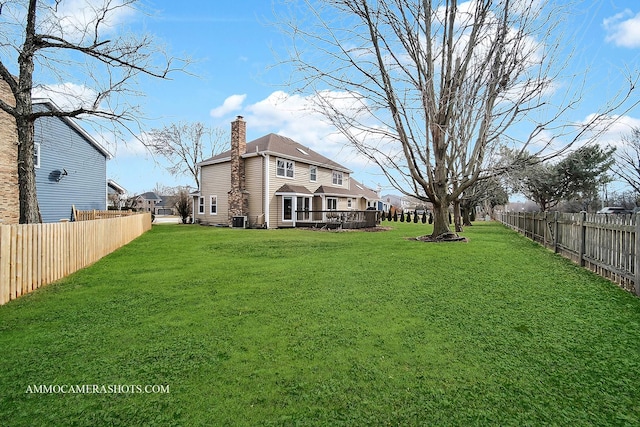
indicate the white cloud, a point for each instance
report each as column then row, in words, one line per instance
column 293, row 116
column 67, row 96
column 134, row 147
column 232, row 103
column 76, row 19
column 623, row 29
column 610, row 130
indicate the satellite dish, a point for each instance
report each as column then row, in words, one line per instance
column 56, row 175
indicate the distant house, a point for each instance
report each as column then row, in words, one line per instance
column 70, row 165
column 166, row 206
column 274, row 181
column 116, row 194
column 154, row 203
column 405, row 203
column 146, row 202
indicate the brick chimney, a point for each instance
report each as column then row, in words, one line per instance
column 238, row 200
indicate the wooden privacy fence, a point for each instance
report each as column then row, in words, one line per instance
column 609, row 245
column 94, row 214
column 34, row 255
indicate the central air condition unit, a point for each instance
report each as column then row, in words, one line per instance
column 239, row 222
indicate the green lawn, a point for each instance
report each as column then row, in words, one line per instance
column 294, row 327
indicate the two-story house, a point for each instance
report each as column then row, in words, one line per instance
column 274, row 182
column 146, row 202
column 70, row 165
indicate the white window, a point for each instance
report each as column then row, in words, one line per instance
column 36, row 154
column 201, row 205
column 349, row 203
column 284, row 168
column 332, row 204
column 213, row 205
column 337, row 178
column 313, row 173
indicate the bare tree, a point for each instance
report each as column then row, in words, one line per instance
column 627, row 165
column 429, row 89
column 48, row 40
column 185, row 145
column 487, row 193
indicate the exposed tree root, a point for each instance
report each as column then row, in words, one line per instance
column 444, row 237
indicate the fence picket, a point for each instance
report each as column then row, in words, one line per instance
column 34, row 255
column 606, row 244
column 5, row 264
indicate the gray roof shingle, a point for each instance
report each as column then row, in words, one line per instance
column 279, row 145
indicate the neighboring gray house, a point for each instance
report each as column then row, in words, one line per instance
column 146, row 202
column 154, row 203
column 167, row 205
column 71, row 166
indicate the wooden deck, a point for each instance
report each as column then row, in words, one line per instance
column 337, row 219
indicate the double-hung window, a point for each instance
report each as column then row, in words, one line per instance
column 284, row 168
column 337, row 178
column 332, row 204
column 213, row 205
column 313, row 173
column 201, row 205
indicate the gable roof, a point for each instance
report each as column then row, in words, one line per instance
column 278, row 145
column 149, row 195
column 292, row 189
column 356, row 190
column 74, row 125
column 363, row 191
column 117, row 188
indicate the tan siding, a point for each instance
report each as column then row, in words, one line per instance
column 300, row 177
column 275, row 217
column 255, row 187
column 325, row 177
column 216, row 181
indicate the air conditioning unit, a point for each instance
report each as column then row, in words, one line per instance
column 239, row 222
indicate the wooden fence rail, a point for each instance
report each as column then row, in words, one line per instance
column 34, row 255
column 609, row 245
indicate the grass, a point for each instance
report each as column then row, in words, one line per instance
column 294, row 327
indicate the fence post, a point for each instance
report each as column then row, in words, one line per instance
column 636, row 264
column 556, row 229
column 582, row 243
column 545, row 228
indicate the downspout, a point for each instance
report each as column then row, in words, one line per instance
column 265, row 191
column 193, row 209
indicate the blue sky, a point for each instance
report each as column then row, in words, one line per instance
column 233, row 42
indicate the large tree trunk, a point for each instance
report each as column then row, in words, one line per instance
column 457, row 216
column 466, row 215
column 440, row 219
column 29, row 210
